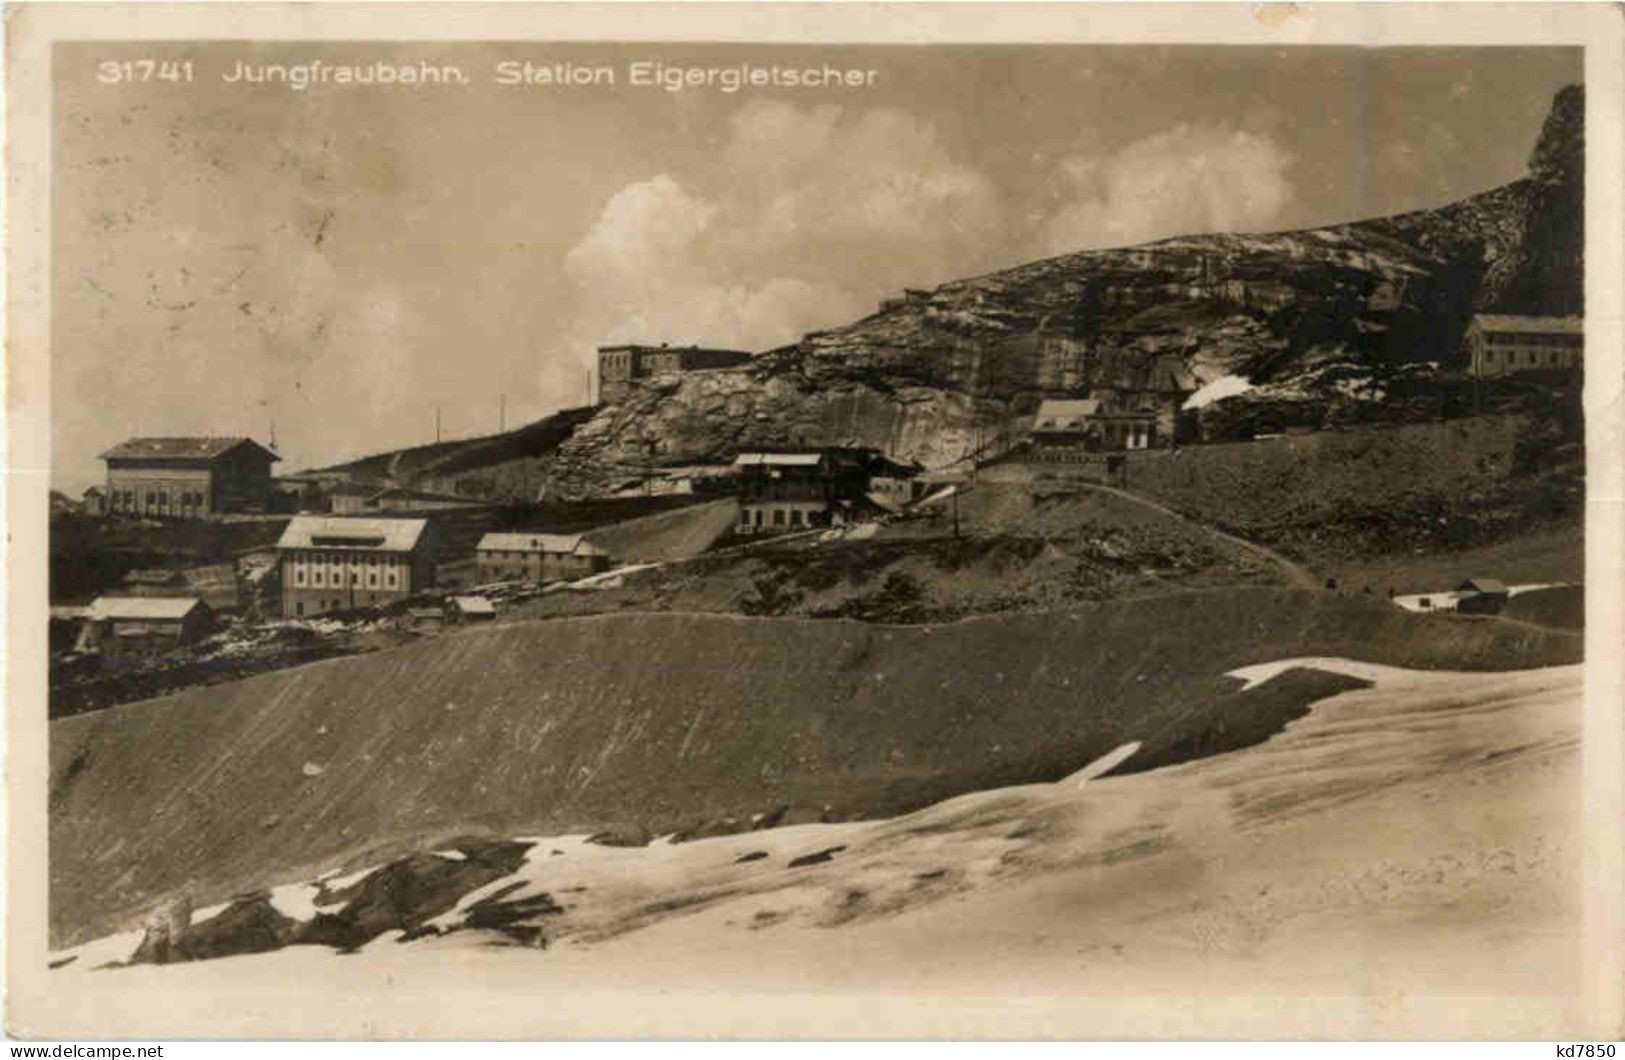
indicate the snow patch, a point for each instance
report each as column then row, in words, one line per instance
column 1218, row 390
column 113, row 949
column 1377, row 673
column 297, row 901
column 339, row 883
column 450, row 855
column 1105, row 763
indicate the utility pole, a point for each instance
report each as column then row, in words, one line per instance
column 502, row 413
column 437, row 423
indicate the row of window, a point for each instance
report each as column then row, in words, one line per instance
column 154, row 500
column 796, row 517
column 319, row 579
column 1531, row 358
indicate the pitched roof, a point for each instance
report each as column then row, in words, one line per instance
column 1058, row 414
column 1530, row 325
column 1482, row 585
column 370, row 533
column 149, row 608
column 557, row 544
column 180, row 448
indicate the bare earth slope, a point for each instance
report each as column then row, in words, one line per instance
column 670, row 721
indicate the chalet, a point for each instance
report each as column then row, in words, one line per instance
column 539, row 558
column 1501, row 345
column 188, row 477
column 798, row 489
column 144, row 625
column 620, row 366
column 335, row 563
column 1066, row 427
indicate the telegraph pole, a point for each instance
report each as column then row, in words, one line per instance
column 437, row 423
column 502, row 413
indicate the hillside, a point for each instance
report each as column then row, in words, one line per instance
column 1227, row 881
column 1346, row 322
column 441, row 465
column 557, row 726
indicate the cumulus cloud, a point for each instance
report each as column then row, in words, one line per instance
column 809, row 214
column 1186, row 180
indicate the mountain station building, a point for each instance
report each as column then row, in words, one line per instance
column 620, row 366
column 799, row 489
column 539, row 558
column 188, row 477
column 336, row 563
column 1499, row 345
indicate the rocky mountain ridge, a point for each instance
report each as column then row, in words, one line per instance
column 1336, row 322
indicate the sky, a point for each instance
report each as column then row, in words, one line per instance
column 343, row 261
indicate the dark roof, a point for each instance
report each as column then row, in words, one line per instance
column 180, row 448
column 1482, row 585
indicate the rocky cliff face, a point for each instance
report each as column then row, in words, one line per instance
column 1326, row 323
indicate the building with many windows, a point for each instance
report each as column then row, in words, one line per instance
column 620, row 366
column 335, row 563
column 540, row 558
column 1500, row 345
column 188, row 477
column 799, row 489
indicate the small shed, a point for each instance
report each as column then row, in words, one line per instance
column 473, row 609
column 425, row 618
column 142, row 625
column 1481, row 596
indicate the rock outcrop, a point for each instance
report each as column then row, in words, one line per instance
column 1331, row 323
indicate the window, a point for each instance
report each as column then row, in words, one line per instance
column 778, row 516
column 299, row 608
column 744, row 516
column 372, row 580
column 392, row 579
column 795, row 517
column 299, row 577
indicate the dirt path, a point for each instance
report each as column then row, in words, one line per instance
column 1299, row 575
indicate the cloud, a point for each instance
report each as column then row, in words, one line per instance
column 808, row 215
column 1187, row 180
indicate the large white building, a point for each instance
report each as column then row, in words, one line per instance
column 335, row 563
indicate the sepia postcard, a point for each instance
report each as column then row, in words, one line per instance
column 758, row 520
